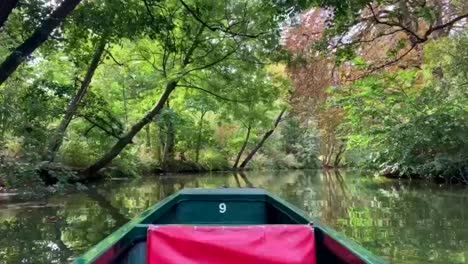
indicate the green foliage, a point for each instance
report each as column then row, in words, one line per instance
column 261, row 161
column 414, row 123
column 15, row 174
column 300, row 142
column 307, row 148
column 283, row 161
column 128, row 164
column 212, row 159
column 217, row 52
column 291, row 132
column 77, row 152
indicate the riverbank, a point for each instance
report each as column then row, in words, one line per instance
column 51, row 173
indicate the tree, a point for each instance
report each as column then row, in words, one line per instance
column 39, row 36
column 80, row 31
column 201, row 105
column 262, row 141
column 57, row 138
column 180, row 58
column 410, row 122
column 5, row 9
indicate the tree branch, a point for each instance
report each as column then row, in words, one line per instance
column 38, row 37
column 359, row 41
column 113, row 58
column 148, row 10
column 393, row 61
column 392, row 24
column 6, row 7
column 262, row 141
column 212, row 93
column 210, row 64
column 215, row 28
column 95, row 124
column 385, row 64
column 439, row 27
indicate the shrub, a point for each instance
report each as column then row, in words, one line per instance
column 214, row 160
column 308, row 148
column 128, row 164
column 77, row 153
column 260, row 161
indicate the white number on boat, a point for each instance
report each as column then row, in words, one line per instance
column 222, row 208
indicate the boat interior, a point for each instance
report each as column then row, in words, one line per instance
column 229, row 211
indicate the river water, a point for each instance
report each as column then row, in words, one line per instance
column 402, row 221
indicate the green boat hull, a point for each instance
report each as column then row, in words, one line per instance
column 221, row 207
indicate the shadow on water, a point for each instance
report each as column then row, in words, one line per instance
column 405, row 222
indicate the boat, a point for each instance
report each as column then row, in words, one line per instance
column 225, row 219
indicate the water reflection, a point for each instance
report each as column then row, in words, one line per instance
column 406, row 222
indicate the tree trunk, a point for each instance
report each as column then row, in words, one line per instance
column 168, row 151
column 148, row 136
column 241, row 151
column 339, row 155
column 124, row 97
column 199, row 137
column 40, row 35
column 6, row 6
column 260, row 144
column 57, row 138
column 127, row 138
column 330, row 154
column 169, row 144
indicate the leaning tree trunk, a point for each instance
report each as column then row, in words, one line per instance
column 169, row 145
column 199, row 137
column 127, row 138
column 331, row 150
column 148, row 136
column 339, row 155
column 6, row 6
column 40, row 35
column 260, row 144
column 241, row 151
column 57, row 138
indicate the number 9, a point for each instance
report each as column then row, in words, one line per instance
column 222, row 208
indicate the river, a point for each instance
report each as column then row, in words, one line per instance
column 402, row 221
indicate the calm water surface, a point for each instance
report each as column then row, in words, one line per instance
column 405, row 222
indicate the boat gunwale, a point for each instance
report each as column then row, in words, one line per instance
column 355, row 248
column 103, row 247
column 98, row 250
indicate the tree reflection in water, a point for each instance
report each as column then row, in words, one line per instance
column 406, row 222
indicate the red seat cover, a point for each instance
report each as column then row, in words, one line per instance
column 272, row 244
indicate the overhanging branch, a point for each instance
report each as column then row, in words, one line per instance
column 216, row 28
column 212, row 93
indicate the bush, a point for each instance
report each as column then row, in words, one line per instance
column 308, row 148
column 286, row 161
column 77, row 153
column 19, row 175
column 128, row 164
column 413, row 123
column 214, row 160
column 260, row 161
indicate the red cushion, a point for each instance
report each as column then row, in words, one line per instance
column 272, row 244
